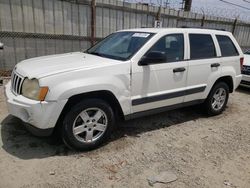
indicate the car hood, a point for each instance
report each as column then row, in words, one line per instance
column 247, row 60
column 53, row 64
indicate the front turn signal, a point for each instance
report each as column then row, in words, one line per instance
column 43, row 93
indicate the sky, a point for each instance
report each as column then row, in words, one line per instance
column 211, row 7
column 224, row 8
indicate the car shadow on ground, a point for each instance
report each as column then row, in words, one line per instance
column 243, row 90
column 18, row 142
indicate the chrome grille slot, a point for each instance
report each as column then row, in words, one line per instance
column 16, row 83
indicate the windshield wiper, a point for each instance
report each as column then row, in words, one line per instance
column 96, row 53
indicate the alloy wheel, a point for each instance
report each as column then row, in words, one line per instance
column 219, row 99
column 90, row 125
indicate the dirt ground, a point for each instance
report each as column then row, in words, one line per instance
column 203, row 152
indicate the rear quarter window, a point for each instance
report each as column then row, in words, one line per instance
column 201, row 46
column 227, row 46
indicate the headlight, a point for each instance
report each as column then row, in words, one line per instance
column 32, row 90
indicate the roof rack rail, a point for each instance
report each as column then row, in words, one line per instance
column 203, row 28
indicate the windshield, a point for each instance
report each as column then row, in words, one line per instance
column 120, row 45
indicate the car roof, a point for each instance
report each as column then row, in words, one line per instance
column 159, row 30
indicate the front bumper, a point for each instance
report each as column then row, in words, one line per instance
column 245, row 80
column 38, row 115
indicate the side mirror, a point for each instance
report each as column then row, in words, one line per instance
column 153, row 58
column 1, row 46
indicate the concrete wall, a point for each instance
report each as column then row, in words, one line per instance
column 30, row 28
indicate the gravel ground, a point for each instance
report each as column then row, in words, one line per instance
column 201, row 151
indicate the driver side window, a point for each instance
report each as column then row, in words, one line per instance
column 172, row 46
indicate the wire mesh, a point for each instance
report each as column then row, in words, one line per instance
column 203, row 7
column 67, row 30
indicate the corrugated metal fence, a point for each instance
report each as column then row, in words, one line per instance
column 30, row 28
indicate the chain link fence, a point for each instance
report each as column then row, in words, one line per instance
column 43, row 27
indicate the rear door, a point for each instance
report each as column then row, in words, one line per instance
column 204, row 65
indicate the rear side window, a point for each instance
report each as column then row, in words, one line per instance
column 201, row 46
column 227, row 47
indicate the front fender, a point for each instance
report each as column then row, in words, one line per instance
column 118, row 85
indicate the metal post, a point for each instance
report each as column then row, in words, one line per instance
column 178, row 17
column 93, row 21
column 203, row 20
column 188, row 4
column 158, row 16
column 234, row 25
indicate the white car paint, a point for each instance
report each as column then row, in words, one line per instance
column 70, row 74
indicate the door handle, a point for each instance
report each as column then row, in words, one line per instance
column 215, row 65
column 181, row 69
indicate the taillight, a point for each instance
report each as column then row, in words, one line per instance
column 241, row 62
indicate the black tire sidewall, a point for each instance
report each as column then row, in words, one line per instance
column 67, row 129
column 208, row 102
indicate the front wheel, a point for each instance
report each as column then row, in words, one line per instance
column 88, row 124
column 217, row 99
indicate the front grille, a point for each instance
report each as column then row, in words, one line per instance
column 245, row 70
column 16, row 83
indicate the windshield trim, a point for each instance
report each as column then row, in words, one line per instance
column 116, row 57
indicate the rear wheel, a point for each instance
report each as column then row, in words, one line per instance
column 217, row 99
column 88, row 124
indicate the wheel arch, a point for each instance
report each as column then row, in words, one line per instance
column 105, row 95
column 228, row 80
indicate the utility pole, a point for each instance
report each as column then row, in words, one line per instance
column 188, row 4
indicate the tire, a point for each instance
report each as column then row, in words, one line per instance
column 92, row 121
column 215, row 105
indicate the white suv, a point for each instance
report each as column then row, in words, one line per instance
column 131, row 73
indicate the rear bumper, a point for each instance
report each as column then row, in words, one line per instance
column 245, row 81
column 38, row 116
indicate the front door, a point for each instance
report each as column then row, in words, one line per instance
column 160, row 84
